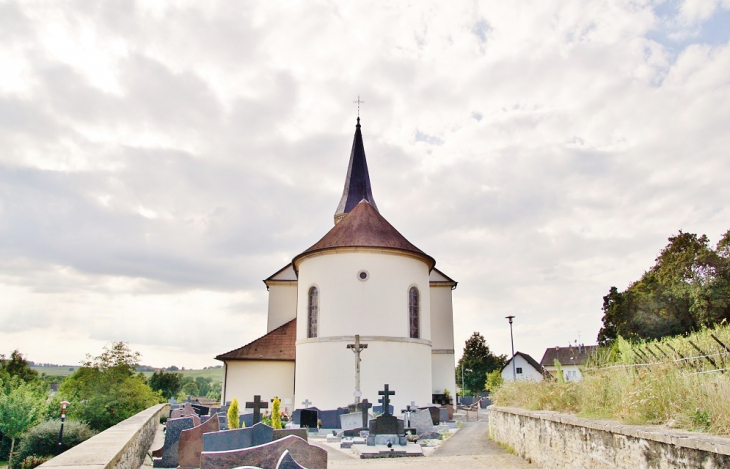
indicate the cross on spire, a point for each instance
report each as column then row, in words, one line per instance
column 385, row 400
column 358, row 101
column 257, row 405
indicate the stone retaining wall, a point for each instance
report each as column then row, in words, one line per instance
column 123, row 446
column 557, row 441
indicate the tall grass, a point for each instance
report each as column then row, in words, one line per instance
column 680, row 389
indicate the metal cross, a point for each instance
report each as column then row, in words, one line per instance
column 257, row 405
column 386, row 399
column 306, row 403
column 358, row 101
column 357, row 347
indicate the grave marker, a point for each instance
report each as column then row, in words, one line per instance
column 385, row 400
column 267, row 455
column 257, row 405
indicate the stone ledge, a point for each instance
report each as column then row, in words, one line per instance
column 683, row 439
column 115, row 447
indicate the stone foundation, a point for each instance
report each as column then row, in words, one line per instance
column 557, row 441
column 123, row 446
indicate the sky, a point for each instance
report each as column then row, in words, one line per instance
column 159, row 159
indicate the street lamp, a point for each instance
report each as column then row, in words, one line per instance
column 463, row 389
column 63, row 419
column 514, row 373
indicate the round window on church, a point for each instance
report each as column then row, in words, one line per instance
column 363, row 275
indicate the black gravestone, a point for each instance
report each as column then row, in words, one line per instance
column 308, row 418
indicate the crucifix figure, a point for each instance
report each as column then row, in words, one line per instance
column 357, row 347
column 386, row 399
column 257, row 405
column 407, row 413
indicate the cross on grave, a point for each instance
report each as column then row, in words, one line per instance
column 386, row 399
column 357, row 347
column 364, row 406
column 413, row 405
column 257, row 405
column 407, row 413
column 306, row 403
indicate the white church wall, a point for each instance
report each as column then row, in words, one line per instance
column 377, row 306
column 442, row 318
column 282, row 304
column 443, row 365
column 326, row 371
column 527, row 370
column 267, row 378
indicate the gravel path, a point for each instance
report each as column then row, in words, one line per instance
column 469, row 448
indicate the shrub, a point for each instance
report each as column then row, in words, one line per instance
column 276, row 414
column 34, row 461
column 42, row 440
column 233, row 414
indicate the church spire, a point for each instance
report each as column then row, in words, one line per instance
column 357, row 182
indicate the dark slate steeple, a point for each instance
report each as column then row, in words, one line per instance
column 357, row 182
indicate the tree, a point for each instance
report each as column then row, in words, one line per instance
column 20, row 409
column 276, row 414
column 476, row 361
column 167, row 383
column 494, row 380
column 233, row 415
column 17, row 366
column 687, row 288
column 107, row 389
column 190, row 389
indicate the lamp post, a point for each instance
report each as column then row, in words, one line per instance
column 63, row 419
column 463, row 389
column 512, row 340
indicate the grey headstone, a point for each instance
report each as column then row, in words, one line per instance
column 172, row 438
column 443, row 414
column 245, row 419
column 331, row 418
column 378, row 409
column 284, row 432
column 422, row 421
column 228, row 440
column 351, row 421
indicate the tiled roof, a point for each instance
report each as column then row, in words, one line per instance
column 365, row 227
column 278, row 344
column 573, row 355
column 529, row 360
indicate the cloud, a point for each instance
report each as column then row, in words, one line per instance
column 160, row 159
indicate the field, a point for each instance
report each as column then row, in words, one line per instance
column 679, row 382
column 215, row 374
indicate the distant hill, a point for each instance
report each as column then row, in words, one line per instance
column 216, row 374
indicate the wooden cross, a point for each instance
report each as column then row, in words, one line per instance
column 365, row 414
column 386, row 399
column 306, row 403
column 257, row 405
column 357, row 347
column 358, row 101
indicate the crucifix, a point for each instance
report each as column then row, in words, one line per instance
column 358, row 101
column 257, row 405
column 357, row 347
column 386, row 399
column 407, row 414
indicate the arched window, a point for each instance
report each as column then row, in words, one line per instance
column 313, row 312
column 413, row 307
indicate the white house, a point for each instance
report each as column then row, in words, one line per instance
column 525, row 367
column 571, row 359
column 363, row 278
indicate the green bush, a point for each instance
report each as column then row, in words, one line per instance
column 34, row 461
column 42, row 440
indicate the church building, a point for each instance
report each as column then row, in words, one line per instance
column 362, row 281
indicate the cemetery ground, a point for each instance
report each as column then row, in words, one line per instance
column 467, row 448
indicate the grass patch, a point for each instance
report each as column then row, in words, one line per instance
column 666, row 382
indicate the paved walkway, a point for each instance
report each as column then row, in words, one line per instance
column 469, row 448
